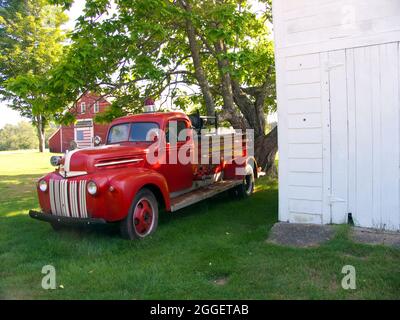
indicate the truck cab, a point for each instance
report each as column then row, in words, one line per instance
column 148, row 161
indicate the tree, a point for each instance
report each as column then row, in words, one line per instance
column 17, row 137
column 31, row 43
column 153, row 47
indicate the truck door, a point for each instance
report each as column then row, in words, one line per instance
column 179, row 175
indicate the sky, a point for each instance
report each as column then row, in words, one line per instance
column 12, row 117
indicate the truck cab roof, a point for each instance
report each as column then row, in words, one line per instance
column 158, row 117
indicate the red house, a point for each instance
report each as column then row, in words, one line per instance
column 84, row 129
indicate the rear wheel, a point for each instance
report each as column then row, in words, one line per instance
column 142, row 219
column 245, row 189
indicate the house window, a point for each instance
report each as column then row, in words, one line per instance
column 96, row 107
column 83, row 107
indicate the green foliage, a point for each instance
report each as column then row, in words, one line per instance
column 141, row 48
column 17, row 137
column 31, row 42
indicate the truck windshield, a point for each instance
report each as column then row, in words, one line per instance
column 131, row 132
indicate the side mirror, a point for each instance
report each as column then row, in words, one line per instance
column 55, row 161
column 97, row 141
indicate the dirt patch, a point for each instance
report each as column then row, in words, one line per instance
column 300, row 235
column 376, row 237
column 220, row 281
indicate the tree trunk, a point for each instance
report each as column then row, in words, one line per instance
column 265, row 145
column 229, row 110
column 265, row 149
column 198, row 68
column 40, row 128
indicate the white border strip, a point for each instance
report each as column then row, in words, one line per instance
column 117, row 162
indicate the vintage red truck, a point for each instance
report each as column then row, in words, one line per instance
column 117, row 182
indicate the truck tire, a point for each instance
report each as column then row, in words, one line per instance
column 245, row 189
column 142, row 219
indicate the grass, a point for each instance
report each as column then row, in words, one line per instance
column 214, row 250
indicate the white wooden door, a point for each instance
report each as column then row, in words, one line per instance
column 365, row 135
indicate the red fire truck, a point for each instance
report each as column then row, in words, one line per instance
column 120, row 182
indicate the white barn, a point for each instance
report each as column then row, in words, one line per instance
column 338, row 71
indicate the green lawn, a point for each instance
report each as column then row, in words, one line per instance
column 215, row 249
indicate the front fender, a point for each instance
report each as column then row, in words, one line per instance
column 122, row 188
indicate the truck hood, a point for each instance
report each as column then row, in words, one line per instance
column 84, row 161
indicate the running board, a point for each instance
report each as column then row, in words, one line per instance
column 203, row 193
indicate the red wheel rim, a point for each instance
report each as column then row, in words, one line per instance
column 143, row 217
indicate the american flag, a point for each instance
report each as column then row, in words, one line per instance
column 87, row 139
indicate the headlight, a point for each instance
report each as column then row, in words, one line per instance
column 55, row 161
column 92, row 188
column 43, row 185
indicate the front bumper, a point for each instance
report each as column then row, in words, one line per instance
column 64, row 220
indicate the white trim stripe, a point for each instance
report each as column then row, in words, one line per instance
column 117, row 162
column 68, row 157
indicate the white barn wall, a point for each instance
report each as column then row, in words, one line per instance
column 307, row 26
column 338, row 97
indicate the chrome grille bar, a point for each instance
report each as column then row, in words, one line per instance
column 73, row 199
column 57, row 197
column 82, row 198
column 51, row 194
column 64, row 198
column 61, row 197
column 68, row 198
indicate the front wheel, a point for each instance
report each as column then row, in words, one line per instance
column 142, row 218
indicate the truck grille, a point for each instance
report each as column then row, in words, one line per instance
column 68, row 198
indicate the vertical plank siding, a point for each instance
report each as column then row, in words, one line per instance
column 338, row 69
column 373, row 108
column 339, row 136
column 389, row 136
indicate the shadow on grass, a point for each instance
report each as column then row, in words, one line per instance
column 264, row 199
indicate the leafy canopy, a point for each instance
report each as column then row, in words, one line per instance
column 31, row 42
column 130, row 49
